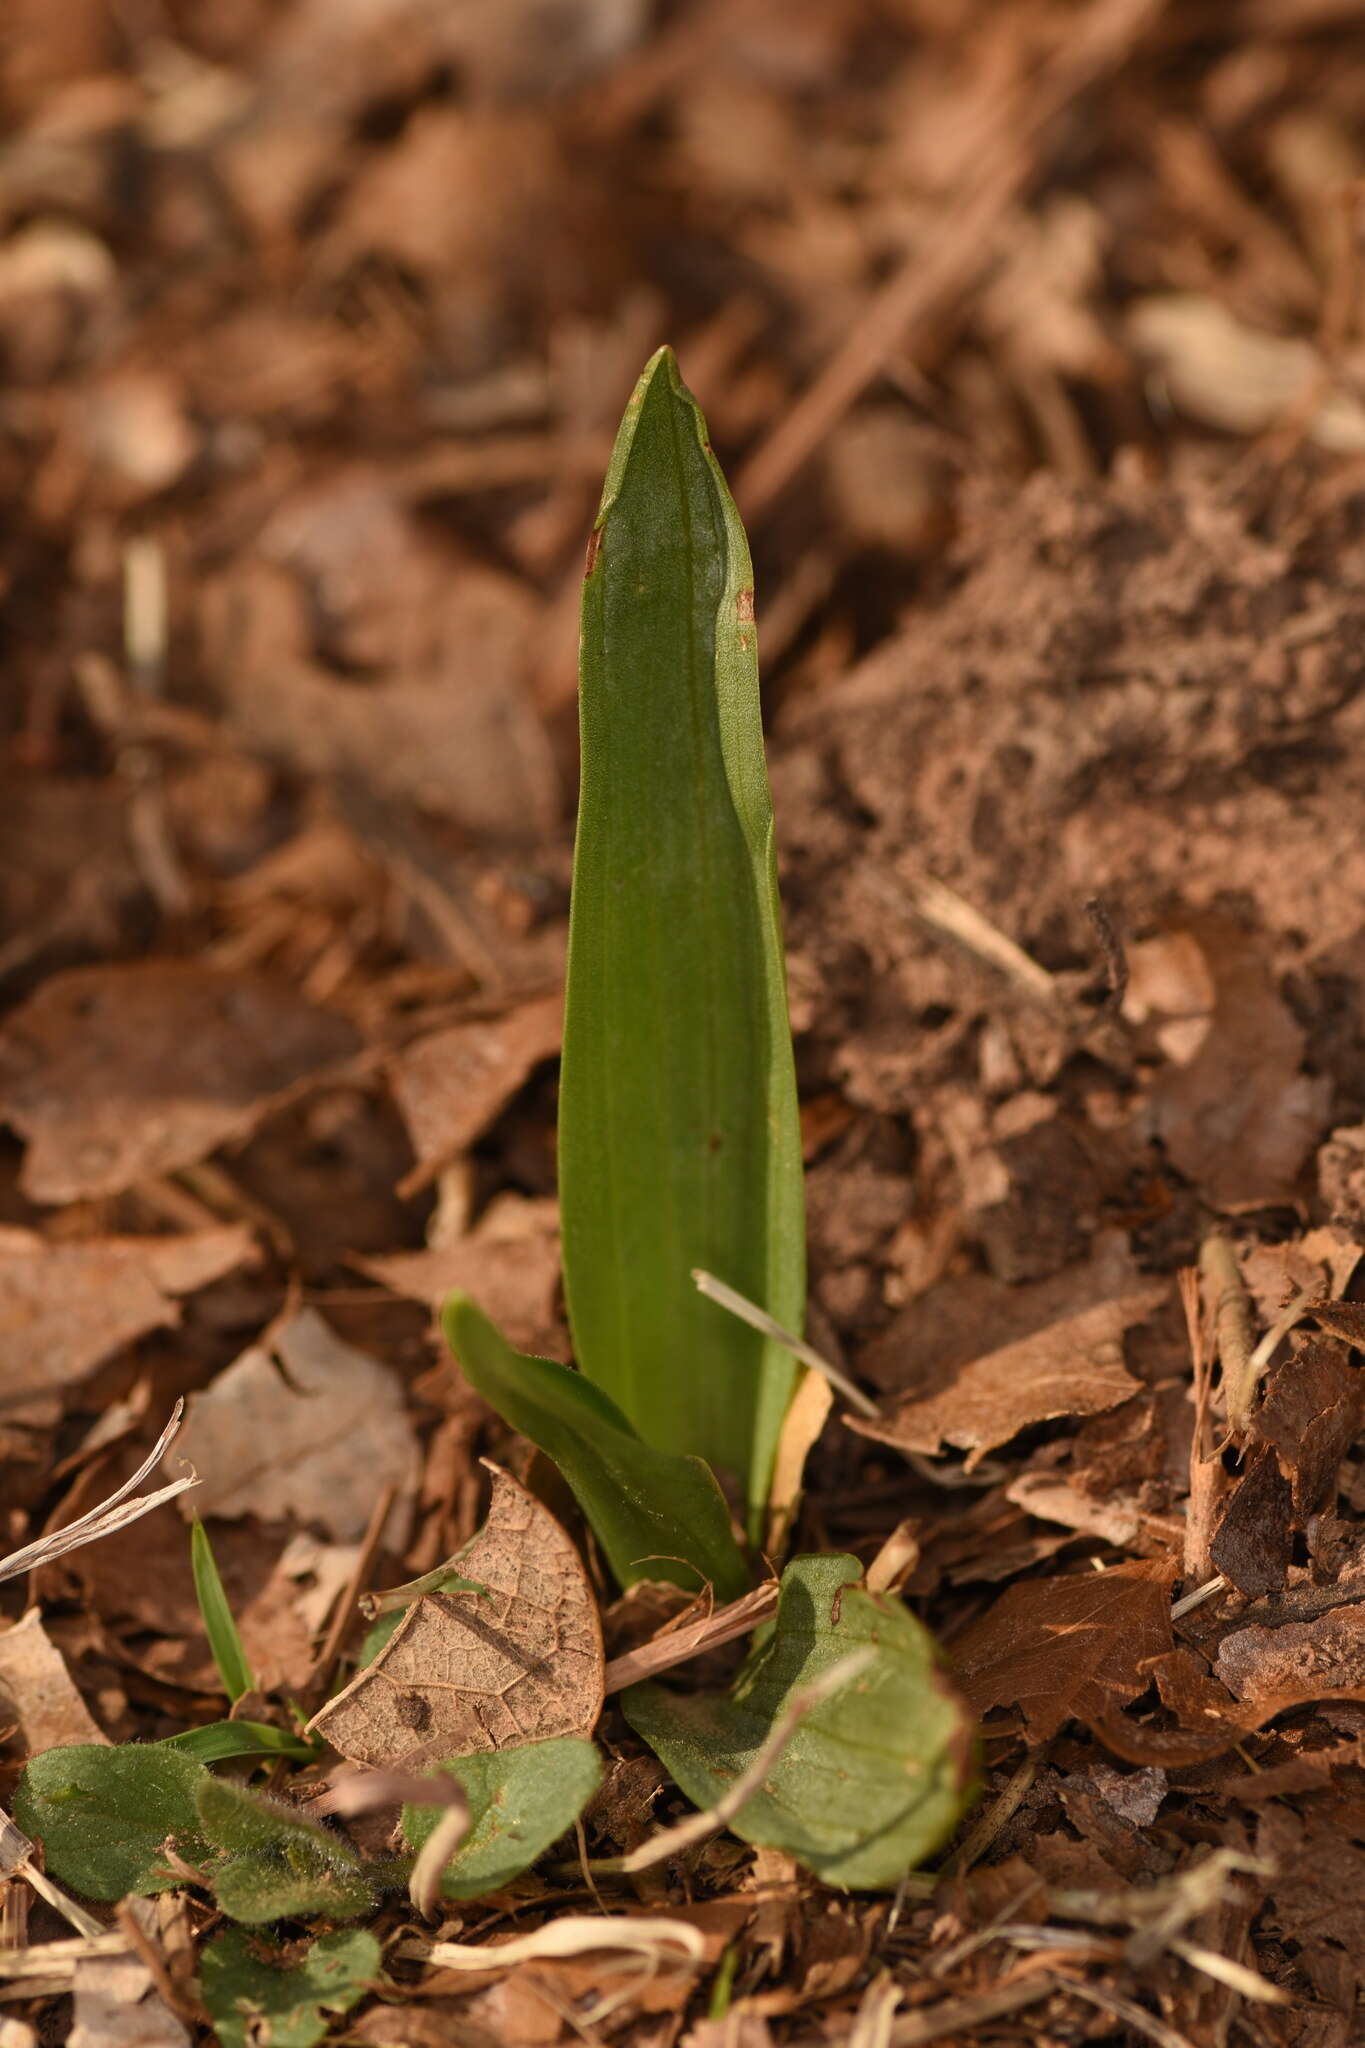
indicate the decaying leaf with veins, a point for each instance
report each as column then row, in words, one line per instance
column 518, row 1661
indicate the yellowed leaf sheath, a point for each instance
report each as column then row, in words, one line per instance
column 679, row 1144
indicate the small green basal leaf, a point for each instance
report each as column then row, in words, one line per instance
column 223, row 1742
column 219, row 1626
column 520, row 1801
column 297, row 2002
column 104, row 1816
column 654, row 1513
column 873, row 1780
column 275, row 1864
column 679, row 1140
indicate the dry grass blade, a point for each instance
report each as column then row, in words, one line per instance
column 575, row 1935
column 367, row 1791
column 759, row 1319
column 111, row 1514
column 59, row 1958
column 16, row 1850
column 673, row 1841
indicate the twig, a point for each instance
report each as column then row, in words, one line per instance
column 942, row 907
column 344, row 1614
column 673, row 1841
column 1121, row 2008
column 171, row 1994
column 996, row 1817
column 758, row 1319
column 16, row 1852
column 930, row 279
column 1232, row 1322
column 662, row 1652
column 111, row 1514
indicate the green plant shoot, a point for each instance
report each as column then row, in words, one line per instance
column 679, row 1142
column 219, row 1626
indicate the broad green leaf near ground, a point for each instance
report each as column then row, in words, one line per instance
column 520, row 1801
column 273, row 1863
column 290, row 2004
column 104, row 1816
column 874, row 1779
column 679, row 1142
column 654, row 1513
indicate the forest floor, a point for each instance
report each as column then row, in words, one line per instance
column 1030, row 335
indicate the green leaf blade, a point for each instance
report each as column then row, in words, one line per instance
column 679, row 1143
column 520, row 1802
column 250, row 1999
column 874, row 1779
column 274, row 1864
column 105, row 1815
column 654, row 1514
column 219, row 1625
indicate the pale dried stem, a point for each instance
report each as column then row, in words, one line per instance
column 677, row 1646
column 111, row 1514
column 1233, row 1325
column 758, row 1319
column 673, row 1841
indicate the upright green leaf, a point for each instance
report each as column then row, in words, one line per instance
column 874, row 1779
column 105, row 1816
column 520, row 1801
column 679, row 1144
column 288, row 2003
column 654, row 1514
column 219, row 1626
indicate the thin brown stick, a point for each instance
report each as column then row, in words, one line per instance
column 347, row 1607
column 172, row 1995
column 662, row 1652
column 1233, row 1325
column 931, row 279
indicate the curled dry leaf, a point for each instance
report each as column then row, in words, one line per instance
column 1073, row 1367
column 64, row 1308
column 464, row 1672
column 116, row 1074
column 450, row 1085
column 37, row 1690
column 317, row 1442
column 1059, row 1648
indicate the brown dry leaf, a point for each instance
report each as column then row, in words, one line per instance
column 1312, row 1412
column 1071, row 1647
column 316, row 1442
column 1253, row 1544
column 1262, row 1663
column 117, row 1074
column 37, row 1690
column 65, row 1307
column 1233, row 1111
column 509, row 1263
column 1074, row 1367
column 445, row 722
column 117, row 2005
column 464, row 1672
column 451, row 1085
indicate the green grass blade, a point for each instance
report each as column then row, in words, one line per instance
column 679, row 1144
column 654, row 1513
column 219, row 1625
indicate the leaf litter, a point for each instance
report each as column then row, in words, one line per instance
column 279, row 868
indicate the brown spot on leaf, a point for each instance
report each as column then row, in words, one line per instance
column 744, row 604
column 594, row 545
